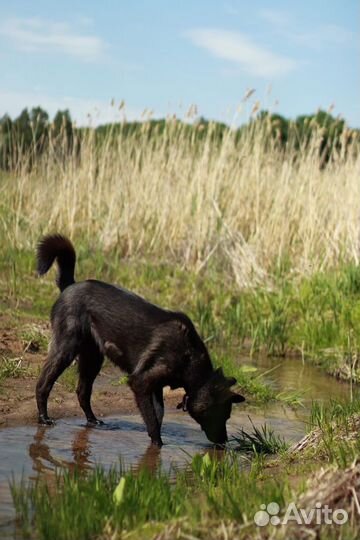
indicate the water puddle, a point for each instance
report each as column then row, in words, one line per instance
column 30, row 451
column 290, row 374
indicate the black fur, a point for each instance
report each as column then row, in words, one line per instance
column 156, row 347
column 60, row 248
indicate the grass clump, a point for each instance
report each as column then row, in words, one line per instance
column 263, row 440
column 11, row 368
column 34, row 338
column 334, row 434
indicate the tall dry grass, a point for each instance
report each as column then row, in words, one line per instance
column 248, row 206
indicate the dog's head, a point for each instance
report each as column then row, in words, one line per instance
column 211, row 406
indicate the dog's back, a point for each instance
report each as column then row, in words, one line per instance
column 107, row 313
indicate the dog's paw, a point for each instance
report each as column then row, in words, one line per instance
column 157, row 442
column 46, row 421
column 92, row 422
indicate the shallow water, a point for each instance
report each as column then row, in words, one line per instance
column 290, row 374
column 30, row 451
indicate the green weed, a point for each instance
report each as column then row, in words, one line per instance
column 337, row 425
column 11, row 368
column 34, row 338
column 262, row 440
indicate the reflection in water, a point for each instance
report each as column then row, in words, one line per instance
column 150, row 459
column 43, row 460
column 39, row 451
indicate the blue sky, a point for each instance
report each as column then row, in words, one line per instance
column 166, row 55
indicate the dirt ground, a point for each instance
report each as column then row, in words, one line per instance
column 17, row 393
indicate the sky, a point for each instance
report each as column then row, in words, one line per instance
column 164, row 56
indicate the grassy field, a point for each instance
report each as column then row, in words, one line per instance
column 315, row 318
column 260, row 246
column 249, row 206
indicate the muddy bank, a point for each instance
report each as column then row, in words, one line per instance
column 18, row 406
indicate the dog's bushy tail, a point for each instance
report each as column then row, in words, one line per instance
column 60, row 248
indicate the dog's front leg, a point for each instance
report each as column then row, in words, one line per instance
column 158, row 402
column 145, row 403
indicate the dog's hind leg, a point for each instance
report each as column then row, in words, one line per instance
column 59, row 358
column 90, row 362
column 158, row 402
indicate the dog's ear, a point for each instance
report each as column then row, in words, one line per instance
column 237, row 398
column 221, row 381
column 225, row 394
column 230, row 381
column 224, row 381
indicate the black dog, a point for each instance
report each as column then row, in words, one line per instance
column 156, row 347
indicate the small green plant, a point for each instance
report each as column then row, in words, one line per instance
column 34, row 338
column 293, row 398
column 334, row 429
column 122, row 381
column 262, row 440
column 11, row 368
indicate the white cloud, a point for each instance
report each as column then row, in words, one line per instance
column 36, row 34
column 238, row 48
column 318, row 37
column 83, row 111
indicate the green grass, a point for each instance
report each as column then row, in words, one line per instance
column 338, row 427
column 333, row 412
column 101, row 503
column 315, row 318
column 262, row 440
column 11, row 368
column 69, row 378
column 34, row 338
